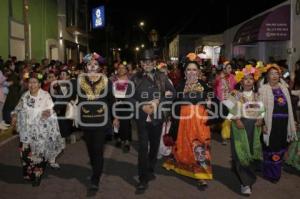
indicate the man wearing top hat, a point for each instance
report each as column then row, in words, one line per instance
column 150, row 90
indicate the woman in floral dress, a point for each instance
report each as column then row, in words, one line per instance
column 40, row 139
column 224, row 84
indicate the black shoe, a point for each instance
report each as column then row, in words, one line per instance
column 94, row 187
column 126, row 148
column 142, row 186
column 151, row 177
column 36, row 182
column 118, row 143
column 108, row 137
column 274, row 181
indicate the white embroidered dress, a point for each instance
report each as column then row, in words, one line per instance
column 42, row 135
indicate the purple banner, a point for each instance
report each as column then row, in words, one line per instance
column 272, row 26
column 276, row 27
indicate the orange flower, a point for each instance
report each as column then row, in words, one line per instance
column 275, row 158
column 191, row 56
column 275, row 66
column 280, row 100
column 257, row 75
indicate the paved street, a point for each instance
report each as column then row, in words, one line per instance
column 120, row 177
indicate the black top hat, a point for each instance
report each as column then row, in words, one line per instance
column 148, row 54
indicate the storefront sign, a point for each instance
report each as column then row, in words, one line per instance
column 98, row 17
column 272, row 26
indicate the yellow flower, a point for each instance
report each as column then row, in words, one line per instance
column 259, row 64
column 40, row 76
column 239, row 75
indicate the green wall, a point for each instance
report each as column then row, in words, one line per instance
column 4, row 29
column 17, row 10
column 43, row 21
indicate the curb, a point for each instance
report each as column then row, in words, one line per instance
column 8, row 140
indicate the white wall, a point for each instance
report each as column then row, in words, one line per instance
column 17, row 40
column 294, row 47
column 229, row 34
column 174, row 47
column 228, row 37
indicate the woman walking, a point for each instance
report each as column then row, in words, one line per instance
column 40, row 139
column 247, row 117
column 191, row 153
column 279, row 127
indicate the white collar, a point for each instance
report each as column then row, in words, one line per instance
column 248, row 93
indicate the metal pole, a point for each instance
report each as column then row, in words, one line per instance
column 26, row 28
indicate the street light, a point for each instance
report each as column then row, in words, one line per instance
column 142, row 46
column 137, row 49
column 142, row 24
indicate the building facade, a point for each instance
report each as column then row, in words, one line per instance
column 181, row 45
column 270, row 34
column 49, row 36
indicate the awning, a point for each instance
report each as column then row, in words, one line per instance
column 210, row 40
column 272, row 26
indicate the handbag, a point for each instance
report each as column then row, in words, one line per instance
column 167, row 139
column 71, row 110
column 165, row 150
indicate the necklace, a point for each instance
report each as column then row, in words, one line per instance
column 91, row 93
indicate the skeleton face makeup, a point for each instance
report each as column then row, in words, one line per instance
column 92, row 66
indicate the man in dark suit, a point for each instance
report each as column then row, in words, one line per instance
column 151, row 89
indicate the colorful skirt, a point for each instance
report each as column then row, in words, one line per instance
column 192, row 152
column 272, row 164
column 33, row 166
column 225, row 132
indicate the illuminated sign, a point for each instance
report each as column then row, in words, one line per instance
column 98, row 17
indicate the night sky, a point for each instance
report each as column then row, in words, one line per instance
column 187, row 17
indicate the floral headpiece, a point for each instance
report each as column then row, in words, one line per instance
column 260, row 66
column 191, row 57
column 225, row 63
column 92, row 56
column 65, row 68
column 269, row 66
column 35, row 75
column 161, row 65
column 248, row 70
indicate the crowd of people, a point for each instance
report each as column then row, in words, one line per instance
column 254, row 106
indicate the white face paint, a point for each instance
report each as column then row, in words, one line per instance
column 92, row 66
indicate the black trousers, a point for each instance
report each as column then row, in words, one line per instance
column 125, row 129
column 95, row 145
column 147, row 157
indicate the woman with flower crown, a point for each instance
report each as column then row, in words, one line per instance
column 223, row 86
column 279, row 127
column 95, row 99
column 40, row 139
column 191, row 155
column 246, row 114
